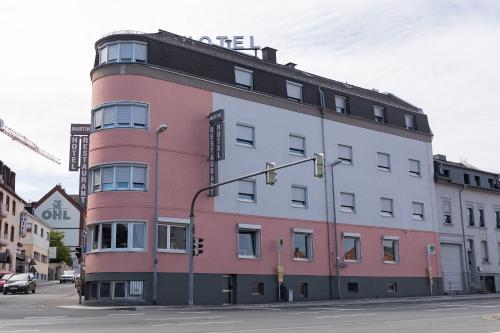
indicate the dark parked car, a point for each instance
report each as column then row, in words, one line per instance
column 3, row 280
column 23, row 283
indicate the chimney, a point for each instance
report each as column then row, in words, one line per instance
column 440, row 157
column 291, row 65
column 269, row 54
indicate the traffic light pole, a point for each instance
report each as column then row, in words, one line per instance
column 191, row 228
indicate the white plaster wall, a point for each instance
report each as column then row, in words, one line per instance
column 272, row 128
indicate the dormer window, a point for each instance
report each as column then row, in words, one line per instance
column 379, row 113
column 243, row 78
column 410, row 122
column 340, row 104
column 294, row 91
column 123, row 52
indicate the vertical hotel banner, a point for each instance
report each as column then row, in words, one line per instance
column 216, row 151
column 79, row 156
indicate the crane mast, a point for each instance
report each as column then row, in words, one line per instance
column 25, row 141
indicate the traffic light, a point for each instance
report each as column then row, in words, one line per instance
column 270, row 175
column 197, row 246
column 319, row 165
column 78, row 252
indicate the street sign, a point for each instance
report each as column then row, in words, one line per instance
column 280, row 273
column 431, row 249
column 52, row 252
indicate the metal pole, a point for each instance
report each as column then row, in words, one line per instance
column 466, row 260
column 191, row 259
column 337, row 264
column 160, row 129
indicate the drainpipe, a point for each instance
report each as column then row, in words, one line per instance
column 330, row 275
column 466, row 261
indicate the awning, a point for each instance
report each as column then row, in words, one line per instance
column 5, row 257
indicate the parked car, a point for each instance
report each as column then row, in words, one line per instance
column 20, row 283
column 67, row 276
column 4, row 279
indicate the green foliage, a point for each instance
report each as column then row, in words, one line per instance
column 63, row 252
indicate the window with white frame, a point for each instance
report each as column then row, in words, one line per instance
column 297, row 145
column 172, row 237
column 470, row 215
column 249, row 240
column 345, row 154
column 116, row 236
column 340, row 104
column 390, row 247
column 347, row 202
column 379, row 113
column 414, row 167
column 246, row 191
column 120, row 115
column 447, row 211
column 123, row 51
column 245, row 135
column 484, row 252
column 116, row 290
column 119, row 177
column 417, row 210
column 384, row 161
column 294, row 91
column 410, row 121
column 351, row 246
column 243, row 77
column 299, row 196
column 302, row 243
column 386, row 207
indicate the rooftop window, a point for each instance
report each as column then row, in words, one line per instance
column 129, row 51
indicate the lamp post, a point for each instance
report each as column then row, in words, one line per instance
column 162, row 128
column 337, row 264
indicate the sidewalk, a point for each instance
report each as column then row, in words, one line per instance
column 427, row 299
column 46, row 283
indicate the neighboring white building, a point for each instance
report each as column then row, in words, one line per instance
column 469, row 209
column 35, row 240
column 62, row 213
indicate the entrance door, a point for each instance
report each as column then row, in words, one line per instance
column 227, row 289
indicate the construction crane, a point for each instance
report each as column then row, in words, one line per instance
column 24, row 140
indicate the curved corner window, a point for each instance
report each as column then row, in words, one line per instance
column 119, row 177
column 125, row 51
column 116, row 236
column 121, row 114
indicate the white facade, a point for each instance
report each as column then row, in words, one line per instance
column 272, row 129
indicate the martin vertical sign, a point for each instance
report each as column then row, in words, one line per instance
column 215, row 145
column 79, row 156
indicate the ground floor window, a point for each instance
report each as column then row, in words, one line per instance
column 352, row 287
column 115, row 290
column 258, row 288
column 303, row 289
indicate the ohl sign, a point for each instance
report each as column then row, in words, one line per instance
column 56, row 213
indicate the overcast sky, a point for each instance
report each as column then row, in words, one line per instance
column 442, row 56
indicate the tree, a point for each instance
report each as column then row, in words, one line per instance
column 63, row 252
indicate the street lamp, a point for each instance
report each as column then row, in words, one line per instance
column 337, row 264
column 162, row 128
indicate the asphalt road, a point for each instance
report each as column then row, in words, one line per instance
column 54, row 309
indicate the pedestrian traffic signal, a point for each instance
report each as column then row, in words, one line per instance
column 319, row 165
column 197, row 246
column 78, row 252
column 270, row 175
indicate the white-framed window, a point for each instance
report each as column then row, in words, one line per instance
column 120, row 115
column 118, row 177
column 123, row 51
column 245, row 135
column 340, row 104
column 447, row 211
column 172, row 237
column 414, row 167
column 383, row 162
column 480, row 214
column 351, row 246
column 390, row 247
column 386, row 207
column 470, row 215
column 345, row 154
column 410, row 121
column 243, row 77
column 484, row 252
column 347, row 202
column 297, row 145
column 299, row 196
column 117, row 290
column 249, row 241
column 417, row 210
column 294, row 91
column 379, row 113
column 246, row 191
column 116, row 236
column 302, row 243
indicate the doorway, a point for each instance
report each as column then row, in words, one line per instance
column 227, row 289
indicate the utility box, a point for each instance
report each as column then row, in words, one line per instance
column 290, row 295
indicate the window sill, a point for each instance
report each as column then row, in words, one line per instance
column 417, row 218
column 391, row 262
column 352, row 261
column 414, row 175
column 386, row 215
column 448, row 224
column 347, row 210
column 172, row 251
column 302, row 259
column 297, row 154
column 115, row 251
column 248, row 257
column 245, row 145
column 383, row 169
column 486, row 263
column 298, row 206
column 246, row 201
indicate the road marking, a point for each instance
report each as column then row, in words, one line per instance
column 19, row 331
column 339, row 309
column 185, row 318
column 194, row 312
column 54, row 317
column 447, row 309
column 202, row 323
column 125, row 314
column 347, row 315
